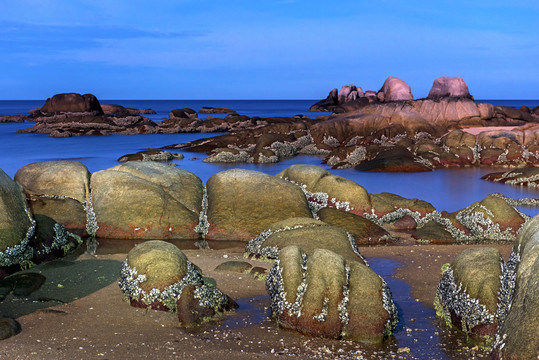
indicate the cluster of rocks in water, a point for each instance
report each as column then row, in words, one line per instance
column 307, row 219
column 373, row 131
column 386, row 131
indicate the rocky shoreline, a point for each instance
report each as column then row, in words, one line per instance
column 308, row 220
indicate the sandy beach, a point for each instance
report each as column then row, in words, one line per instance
column 102, row 325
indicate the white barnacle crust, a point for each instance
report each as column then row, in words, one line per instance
column 507, row 288
column 210, row 297
column 454, row 299
column 255, row 246
column 324, row 313
column 344, row 317
column 389, row 306
column 20, row 253
column 130, row 281
column 203, row 223
column 353, row 244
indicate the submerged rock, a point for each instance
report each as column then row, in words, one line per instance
column 321, row 294
column 157, row 274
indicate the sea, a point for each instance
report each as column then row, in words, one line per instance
column 446, row 189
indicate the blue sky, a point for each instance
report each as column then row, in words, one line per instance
column 281, row 49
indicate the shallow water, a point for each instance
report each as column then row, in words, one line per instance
column 449, row 190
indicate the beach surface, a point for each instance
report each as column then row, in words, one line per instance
column 102, row 325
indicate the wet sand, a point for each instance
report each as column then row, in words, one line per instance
column 101, row 325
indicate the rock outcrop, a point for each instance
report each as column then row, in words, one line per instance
column 157, row 275
column 146, row 200
column 395, row 89
column 215, row 110
column 521, row 177
column 447, row 86
column 70, row 103
column 322, row 294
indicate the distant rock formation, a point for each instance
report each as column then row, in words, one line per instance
column 215, row 110
column 447, row 86
column 395, row 89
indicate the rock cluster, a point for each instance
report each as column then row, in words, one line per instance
column 322, row 294
column 151, row 200
column 494, row 301
column 157, row 275
column 521, row 177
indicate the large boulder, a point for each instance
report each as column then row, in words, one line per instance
column 447, row 86
column 146, row 200
column 322, row 294
column 16, row 224
column 307, row 233
column 157, row 275
column 242, row 203
column 395, row 89
column 517, row 336
column 71, row 103
column 467, row 295
column 60, row 190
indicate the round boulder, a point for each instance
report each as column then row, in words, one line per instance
column 448, row 86
column 395, row 89
column 146, row 200
column 157, row 275
column 242, row 203
column 71, row 103
column 58, row 189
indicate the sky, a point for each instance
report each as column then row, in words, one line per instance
column 264, row 49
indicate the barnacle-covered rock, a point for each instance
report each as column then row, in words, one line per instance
column 307, row 233
column 324, row 189
column 51, row 240
column 434, row 232
column 467, row 295
column 146, row 200
column 242, row 203
column 157, row 275
column 523, row 177
column 17, row 225
column 321, row 294
column 391, row 207
column 490, row 219
column 516, row 338
column 362, row 229
column 60, row 190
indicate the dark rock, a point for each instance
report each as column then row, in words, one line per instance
column 9, row 327
column 215, row 110
column 433, row 232
column 184, row 113
column 13, row 118
column 71, row 103
column 397, row 159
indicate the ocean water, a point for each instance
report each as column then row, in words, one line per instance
column 447, row 189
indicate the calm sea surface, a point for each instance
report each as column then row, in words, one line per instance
column 449, row 190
